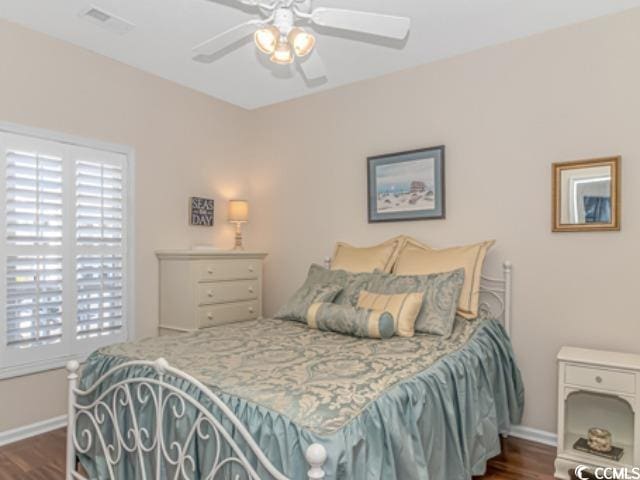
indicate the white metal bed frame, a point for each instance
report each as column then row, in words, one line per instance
column 169, row 402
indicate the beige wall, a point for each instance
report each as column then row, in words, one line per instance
column 185, row 144
column 505, row 114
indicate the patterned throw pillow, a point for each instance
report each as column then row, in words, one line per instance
column 404, row 308
column 296, row 308
column 357, row 322
column 441, row 296
column 351, row 283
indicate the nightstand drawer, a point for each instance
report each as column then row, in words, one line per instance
column 600, row 379
column 224, row 292
column 227, row 313
column 228, row 270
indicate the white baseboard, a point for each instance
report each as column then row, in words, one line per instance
column 534, row 435
column 20, row 433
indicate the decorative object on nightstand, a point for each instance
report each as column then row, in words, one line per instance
column 599, row 444
column 599, row 440
column 238, row 214
column 597, row 388
column 205, row 288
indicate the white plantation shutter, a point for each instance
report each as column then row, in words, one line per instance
column 100, row 295
column 34, row 300
column 63, row 286
column 99, row 203
column 34, row 199
column 100, row 230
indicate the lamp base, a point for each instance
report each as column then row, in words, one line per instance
column 238, row 244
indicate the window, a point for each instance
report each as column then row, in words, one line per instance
column 64, row 250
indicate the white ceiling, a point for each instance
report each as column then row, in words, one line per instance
column 166, row 31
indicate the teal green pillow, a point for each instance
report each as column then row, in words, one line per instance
column 354, row 321
column 351, row 283
column 441, row 295
column 296, row 308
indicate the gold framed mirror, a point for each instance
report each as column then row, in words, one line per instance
column 586, row 195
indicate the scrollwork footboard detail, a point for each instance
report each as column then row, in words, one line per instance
column 145, row 427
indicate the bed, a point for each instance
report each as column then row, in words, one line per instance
column 274, row 399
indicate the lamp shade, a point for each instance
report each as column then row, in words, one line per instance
column 302, row 42
column 283, row 54
column 267, row 39
column 238, row 211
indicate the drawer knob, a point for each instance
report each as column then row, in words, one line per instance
column 210, row 270
column 210, row 316
column 598, row 379
column 250, row 289
column 210, row 293
column 251, row 268
column 250, row 309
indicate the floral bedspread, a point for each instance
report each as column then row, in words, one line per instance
column 319, row 380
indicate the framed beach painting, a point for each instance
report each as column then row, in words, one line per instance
column 407, row 186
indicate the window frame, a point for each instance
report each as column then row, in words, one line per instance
column 40, row 362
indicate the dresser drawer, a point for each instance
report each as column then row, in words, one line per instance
column 210, row 316
column 224, row 292
column 228, row 270
column 600, row 379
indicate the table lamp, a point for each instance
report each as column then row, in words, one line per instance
column 238, row 214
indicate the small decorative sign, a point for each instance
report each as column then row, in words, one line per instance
column 201, row 211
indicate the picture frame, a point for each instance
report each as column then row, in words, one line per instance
column 586, row 195
column 201, row 212
column 407, row 186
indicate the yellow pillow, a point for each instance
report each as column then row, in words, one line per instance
column 418, row 259
column 367, row 259
column 404, row 308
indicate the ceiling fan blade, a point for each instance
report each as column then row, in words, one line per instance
column 228, row 38
column 313, row 67
column 364, row 22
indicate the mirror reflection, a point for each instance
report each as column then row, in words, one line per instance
column 586, row 195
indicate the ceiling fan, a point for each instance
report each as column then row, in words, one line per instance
column 279, row 35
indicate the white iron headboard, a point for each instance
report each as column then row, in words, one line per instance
column 495, row 295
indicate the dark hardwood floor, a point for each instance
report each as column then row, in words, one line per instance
column 42, row 458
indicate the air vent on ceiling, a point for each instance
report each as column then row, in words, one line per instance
column 106, row 20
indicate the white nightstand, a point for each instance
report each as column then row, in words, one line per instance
column 204, row 288
column 597, row 389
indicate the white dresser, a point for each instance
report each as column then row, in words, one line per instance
column 597, row 389
column 204, row 288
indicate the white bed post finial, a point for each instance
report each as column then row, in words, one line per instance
column 316, row 456
column 72, row 367
column 161, row 365
column 508, row 270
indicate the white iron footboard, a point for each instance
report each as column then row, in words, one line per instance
column 102, row 411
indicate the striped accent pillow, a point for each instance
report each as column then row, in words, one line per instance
column 404, row 308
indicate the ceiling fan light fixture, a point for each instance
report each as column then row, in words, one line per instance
column 283, row 54
column 302, row 42
column 267, row 39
